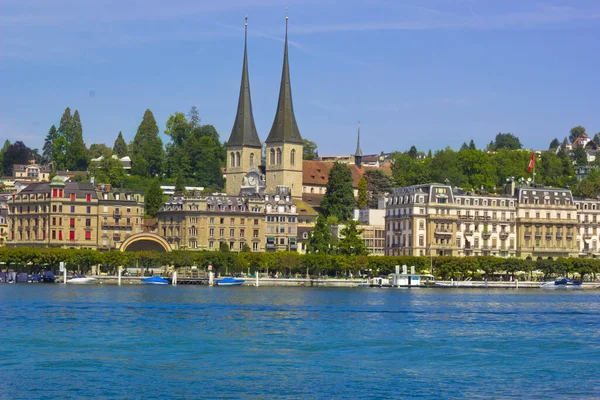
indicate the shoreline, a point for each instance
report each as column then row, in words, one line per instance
column 346, row 283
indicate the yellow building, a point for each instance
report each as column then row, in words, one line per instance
column 32, row 172
column 59, row 214
column 197, row 222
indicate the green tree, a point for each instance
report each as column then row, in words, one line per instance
column 478, row 169
column 154, row 198
column 445, row 167
column 361, row 202
column 47, row 155
column 339, row 196
column 378, row 184
column 309, row 151
column 180, row 184
column 408, row 171
column 597, row 138
column 65, row 128
column 507, row 141
column 147, row 153
column 108, row 170
column 76, row 154
column 412, row 152
column 120, row 147
column 59, row 149
column 16, row 153
column 589, row 187
column 579, row 156
column 554, row 144
column 99, row 149
column 351, row 243
column 472, row 145
column 576, row 132
column 320, row 240
column 224, row 247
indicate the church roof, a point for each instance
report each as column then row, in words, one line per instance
column 358, row 152
column 244, row 132
column 285, row 129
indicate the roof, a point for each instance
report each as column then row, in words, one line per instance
column 244, row 132
column 304, row 208
column 285, row 129
column 317, row 172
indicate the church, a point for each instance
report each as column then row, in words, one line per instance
column 282, row 170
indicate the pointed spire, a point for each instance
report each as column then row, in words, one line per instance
column 285, row 129
column 244, row 129
column 358, row 151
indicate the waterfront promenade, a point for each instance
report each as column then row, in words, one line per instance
column 353, row 283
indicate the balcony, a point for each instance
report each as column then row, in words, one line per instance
column 559, row 236
column 528, row 235
column 569, row 236
column 468, row 232
column 538, row 236
column 504, row 235
column 548, row 236
column 486, row 235
column 443, row 232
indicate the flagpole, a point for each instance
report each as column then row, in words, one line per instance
column 534, row 168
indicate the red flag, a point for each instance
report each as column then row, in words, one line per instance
column 531, row 163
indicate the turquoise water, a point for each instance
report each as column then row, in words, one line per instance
column 243, row 342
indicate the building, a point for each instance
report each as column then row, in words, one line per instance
column 3, row 226
column 281, row 222
column 73, row 215
column 530, row 222
column 284, row 145
column 198, row 222
column 32, row 172
column 125, row 162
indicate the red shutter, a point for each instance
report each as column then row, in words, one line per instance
column 72, row 235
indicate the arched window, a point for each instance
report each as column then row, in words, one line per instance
column 278, row 156
column 252, row 159
column 272, row 160
column 293, row 157
column 232, row 160
column 237, row 159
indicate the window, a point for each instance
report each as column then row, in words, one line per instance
column 211, row 232
column 252, row 159
column 72, row 196
column 211, row 220
column 72, row 222
column 231, row 232
column 278, row 156
column 53, row 234
column 72, row 209
column 60, row 235
column 238, row 159
column 221, row 232
column 272, row 157
column 72, row 235
column 293, row 157
column 88, row 210
column 255, row 233
column 254, row 246
column 54, row 192
column 211, row 245
column 242, row 232
column 231, row 244
column 88, row 235
column 88, row 222
column 232, row 160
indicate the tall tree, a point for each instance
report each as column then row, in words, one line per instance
column 320, row 240
column 351, row 243
column 47, row 155
column 339, row 196
column 120, row 147
column 408, row 171
column 99, row 149
column 412, row 152
column 576, row 132
column 108, row 170
column 597, row 138
column 77, row 154
column 554, row 144
column 16, row 153
column 59, row 150
column 361, row 201
column 179, row 184
column 65, row 128
column 147, row 153
column 579, row 156
column 153, row 198
column 309, row 151
column 472, row 145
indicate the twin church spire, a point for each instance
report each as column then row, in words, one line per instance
column 284, row 129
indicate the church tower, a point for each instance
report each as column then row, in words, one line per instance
column 358, row 152
column 284, row 144
column 243, row 146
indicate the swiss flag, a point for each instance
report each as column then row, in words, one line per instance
column 531, row 163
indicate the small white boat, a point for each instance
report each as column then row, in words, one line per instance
column 79, row 279
column 562, row 283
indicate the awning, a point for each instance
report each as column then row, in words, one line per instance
column 270, row 238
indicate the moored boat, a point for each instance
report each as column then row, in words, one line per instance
column 155, row 280
column 35, row 278
column 79, row 279
column 22, row 277
column 562, row 283
column 230, row 281
column 48, row 277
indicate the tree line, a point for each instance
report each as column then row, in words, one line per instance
column 32, row 260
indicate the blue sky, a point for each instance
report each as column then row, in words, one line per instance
column 432, row 73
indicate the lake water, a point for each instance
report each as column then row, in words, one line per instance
column 100, row 341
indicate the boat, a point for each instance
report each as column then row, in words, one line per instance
column 22, row 277
column 562, row 283
column 78, row 279
column 155, row 280
column 48, row 277
column 230, row 282
column 2, row 277
column 35, row 278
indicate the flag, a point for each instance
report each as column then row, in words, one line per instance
column 531, row 163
